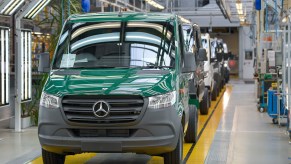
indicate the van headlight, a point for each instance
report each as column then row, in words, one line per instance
column 162, row 101
column 49, row 101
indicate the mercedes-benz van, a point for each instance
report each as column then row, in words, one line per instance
column 118, row 83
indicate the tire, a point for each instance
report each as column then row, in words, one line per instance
column 175, row 156
column 191, row 134
column 52, row 158
column 214, row 92
column 204, row 104
column 209, row 97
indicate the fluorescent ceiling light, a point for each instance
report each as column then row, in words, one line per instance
column 7, row 65
column 36, row 9
column 22, row 66
column 10, row 8
column 2, row 68
column 114, row 4
column 25, row 65
column 284, row 20
column 155, row 4
column 184, row 20
column 240, row 12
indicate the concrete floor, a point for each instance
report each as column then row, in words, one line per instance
column 244, row 136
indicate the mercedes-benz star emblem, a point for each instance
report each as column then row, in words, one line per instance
column 101, row 109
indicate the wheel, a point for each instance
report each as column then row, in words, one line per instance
column 204, row 104
column 52, row 158
column 214, row 92
column 261, row 109
column 275, row 121
column 175, row 156
column 191, row 134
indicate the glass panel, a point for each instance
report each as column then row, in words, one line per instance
column 116, row 44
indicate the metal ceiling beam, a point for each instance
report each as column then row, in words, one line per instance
column 223, row 9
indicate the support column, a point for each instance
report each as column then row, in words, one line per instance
column 18, row 66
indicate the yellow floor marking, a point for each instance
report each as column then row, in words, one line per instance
column 201, row 148
column 71, row 159
column 201, row 122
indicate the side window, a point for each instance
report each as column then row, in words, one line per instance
column 181, row 44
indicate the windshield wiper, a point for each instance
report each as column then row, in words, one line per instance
column 150, row 67
column 100, row 66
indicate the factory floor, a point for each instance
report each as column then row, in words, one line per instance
column 233, row 132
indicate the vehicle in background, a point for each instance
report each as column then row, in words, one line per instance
column 216, row 60
column 209, row 79
column 220, row 54
column 226, row 57
column 222, row 58
column 119, row 82
column 198, row 91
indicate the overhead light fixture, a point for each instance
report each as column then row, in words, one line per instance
column 25, row 65
column 36, row 9
column 240, row 12
column 285, row 19
column 184, row 20
column 11, row 7
column 4, row 66
column 115, row 4
column 155, row 4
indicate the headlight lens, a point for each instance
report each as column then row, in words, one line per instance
column 225, row 65
column 49, row 101
column 162, row 101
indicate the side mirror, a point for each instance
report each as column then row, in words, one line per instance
column 44, row 62
column 202, row 55
column 189, row 63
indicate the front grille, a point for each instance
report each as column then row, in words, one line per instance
column 103, row 132
column 123, row 109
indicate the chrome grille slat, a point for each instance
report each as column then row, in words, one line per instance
column 123, row 109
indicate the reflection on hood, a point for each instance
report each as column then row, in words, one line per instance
column 111, row 81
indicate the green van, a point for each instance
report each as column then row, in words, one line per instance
column 118, row 83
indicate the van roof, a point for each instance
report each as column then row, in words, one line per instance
column 121, row 16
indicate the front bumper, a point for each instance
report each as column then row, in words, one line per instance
column 156, row 133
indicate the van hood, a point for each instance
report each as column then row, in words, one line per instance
column 110, row 82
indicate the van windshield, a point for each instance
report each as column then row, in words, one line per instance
column 116, row 44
